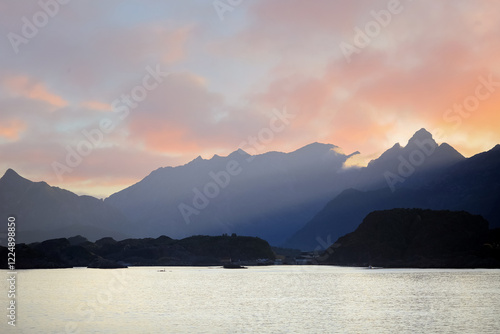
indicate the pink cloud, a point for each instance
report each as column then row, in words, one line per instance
column 12, row 129
column 29, row 88
column 386, row 94
column 282, row 53
column 97, row 105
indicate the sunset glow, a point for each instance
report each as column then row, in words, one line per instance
column 153, row 84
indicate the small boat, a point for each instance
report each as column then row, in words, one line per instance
column 233, row 266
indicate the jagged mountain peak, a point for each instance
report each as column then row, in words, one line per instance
column 233, row 155
column 389, row 154
column 195, row 161
column 420, row 136
column 10, row 173
column 270, row 196
column 316, row 147
column 239, row 152
column 12, row 178
column 52, row 212
column 451, row 151
column 396, row 146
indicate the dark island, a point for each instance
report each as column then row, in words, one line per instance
column 162, row 251
column 397, row 238
column 417, row 238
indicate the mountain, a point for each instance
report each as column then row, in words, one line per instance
column 275, row 194
column 43, row 212
column 418, row 238
column 471, row 184
column 269, row 195
column 410, row 165
column 303, row 199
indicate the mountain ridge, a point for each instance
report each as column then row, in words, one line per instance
column 471, row 184
column 283, row 174
column 274, row 195
column 50, row 212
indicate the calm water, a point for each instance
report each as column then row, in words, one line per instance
column 278, row 299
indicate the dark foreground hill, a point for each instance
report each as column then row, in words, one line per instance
column 416, row 238
column 162, row 251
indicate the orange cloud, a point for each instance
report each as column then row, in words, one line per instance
column 286, row 52
column 164, row 138
column 384, row 96
column 25, row 87
column 12, row 129
column 96, row 105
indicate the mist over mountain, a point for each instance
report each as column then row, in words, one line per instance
column 269, row 195
column 43, row 212
column 472, row 185
column 408, row 165
column 273, row 195
column 304, row 199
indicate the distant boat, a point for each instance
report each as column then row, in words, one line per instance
column 161, row 270
column 233, row 266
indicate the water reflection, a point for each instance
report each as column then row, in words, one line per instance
column 277, row 299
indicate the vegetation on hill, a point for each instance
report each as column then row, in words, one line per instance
column 419, row 238
column 162, row 251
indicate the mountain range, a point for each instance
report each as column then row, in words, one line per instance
column 269, row 195
column 472, row 185
column 304, row 199
column 44, row 212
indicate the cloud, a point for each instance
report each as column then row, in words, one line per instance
column 174, row 115
column 11, row 129
column 227, row 76
column 386, row 93
column 31, row 89
column 183, row 116
column 97, row 105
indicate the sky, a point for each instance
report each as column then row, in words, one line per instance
column 96, row 95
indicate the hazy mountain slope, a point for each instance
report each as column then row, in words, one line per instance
column 269, row 195
column 43, row 211
column 472, row 185
column 410, row 165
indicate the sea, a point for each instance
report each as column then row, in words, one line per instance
column 263, row 299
